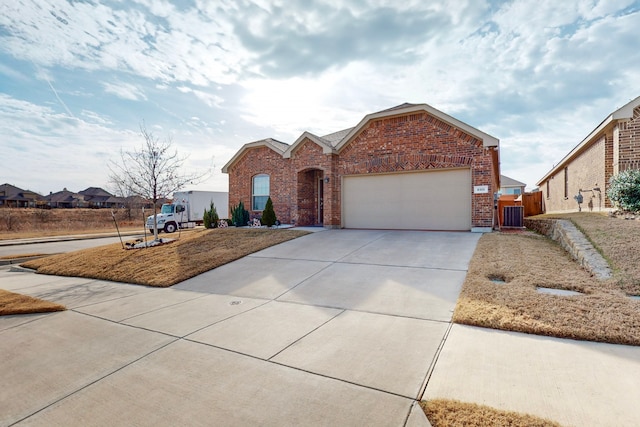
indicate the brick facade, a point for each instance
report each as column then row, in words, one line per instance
column 612, row 147
column 630, row 142
column 307, row 184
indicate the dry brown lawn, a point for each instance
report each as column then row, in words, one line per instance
column 617, row 239
column 12, row 303
column 165, row 265
column 526, row 261
column 452, row 413
column 21, row 223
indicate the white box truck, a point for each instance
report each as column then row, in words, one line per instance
column 187, row 209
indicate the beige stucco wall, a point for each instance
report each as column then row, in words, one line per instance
column 584, row 172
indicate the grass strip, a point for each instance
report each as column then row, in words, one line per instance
column 164, row 265
column 453, row 413
column 12, row 303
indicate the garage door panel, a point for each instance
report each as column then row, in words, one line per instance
column 434, row 200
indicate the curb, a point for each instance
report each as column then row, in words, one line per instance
column 70, row 238
column 15, row 261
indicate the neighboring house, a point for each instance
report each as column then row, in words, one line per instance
column 14, row 197
column 92, row 197
column 95, row 197
column 509, row 186
column 613, row 146
column 65, row 199
column 408, row 167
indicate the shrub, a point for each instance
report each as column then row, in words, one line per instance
column 624, row 190
column 239, row 215
column 210, row 217
column 268, row 214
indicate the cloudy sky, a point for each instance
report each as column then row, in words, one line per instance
column 78, row 78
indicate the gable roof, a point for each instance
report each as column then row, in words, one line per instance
column 277, row 146
column 332, row 143
column 505, row 181
column 95, row 192
column 8, row 190
column 11, row 192
column 487, row 140
column 623, row 113
column 64, row 196
column 327, row 148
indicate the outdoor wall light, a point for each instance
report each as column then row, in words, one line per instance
column 326, row 179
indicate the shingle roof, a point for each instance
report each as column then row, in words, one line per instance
column 95, row 191
column 333, row 142
column 334, row 138
column 398, row 107
column 505, row 181
column 63, row 196
column 11, row 192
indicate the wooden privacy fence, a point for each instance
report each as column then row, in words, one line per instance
column 532, row 203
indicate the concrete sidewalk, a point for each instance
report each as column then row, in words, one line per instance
column 341, row 327
column 575, row 383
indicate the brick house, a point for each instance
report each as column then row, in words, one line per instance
column 408, row 167
column 613, row 146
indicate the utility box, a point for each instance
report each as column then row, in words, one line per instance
column 513, row 216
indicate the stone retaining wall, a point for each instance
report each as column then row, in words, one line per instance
column 574, row 242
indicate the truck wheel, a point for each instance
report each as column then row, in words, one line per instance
column 170, row 227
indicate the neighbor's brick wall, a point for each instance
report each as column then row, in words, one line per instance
column 583, row 173
column 630, row 142
column 421, row 142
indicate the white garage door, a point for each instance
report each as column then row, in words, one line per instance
column 434, row 200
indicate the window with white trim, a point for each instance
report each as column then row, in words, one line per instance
column 260, row 192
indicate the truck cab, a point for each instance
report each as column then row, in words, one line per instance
column 170, row 217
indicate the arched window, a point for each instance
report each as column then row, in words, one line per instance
column 260, row 192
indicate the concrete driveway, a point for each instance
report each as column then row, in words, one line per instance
column 339, row 327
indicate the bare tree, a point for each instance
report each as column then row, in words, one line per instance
column 154, row 171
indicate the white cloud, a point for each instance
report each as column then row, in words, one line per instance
column 99, row 37
column 124, row 91
column 537, row 75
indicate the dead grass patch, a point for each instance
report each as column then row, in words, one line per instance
column 453, row 413
column 24, row 223
column 12, row 303
column 165, row 265
column 528, row 261
column 617, row 239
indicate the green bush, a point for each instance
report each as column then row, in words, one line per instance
column 624, row 190
column 268, row 214
column 239, row 215
column 210, row 217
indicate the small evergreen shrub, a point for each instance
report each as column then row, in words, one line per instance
column 268, row 214
column 239, row 215
column 210, row 217
column 624, row 190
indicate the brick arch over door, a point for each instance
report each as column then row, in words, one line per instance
column 310, row 197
